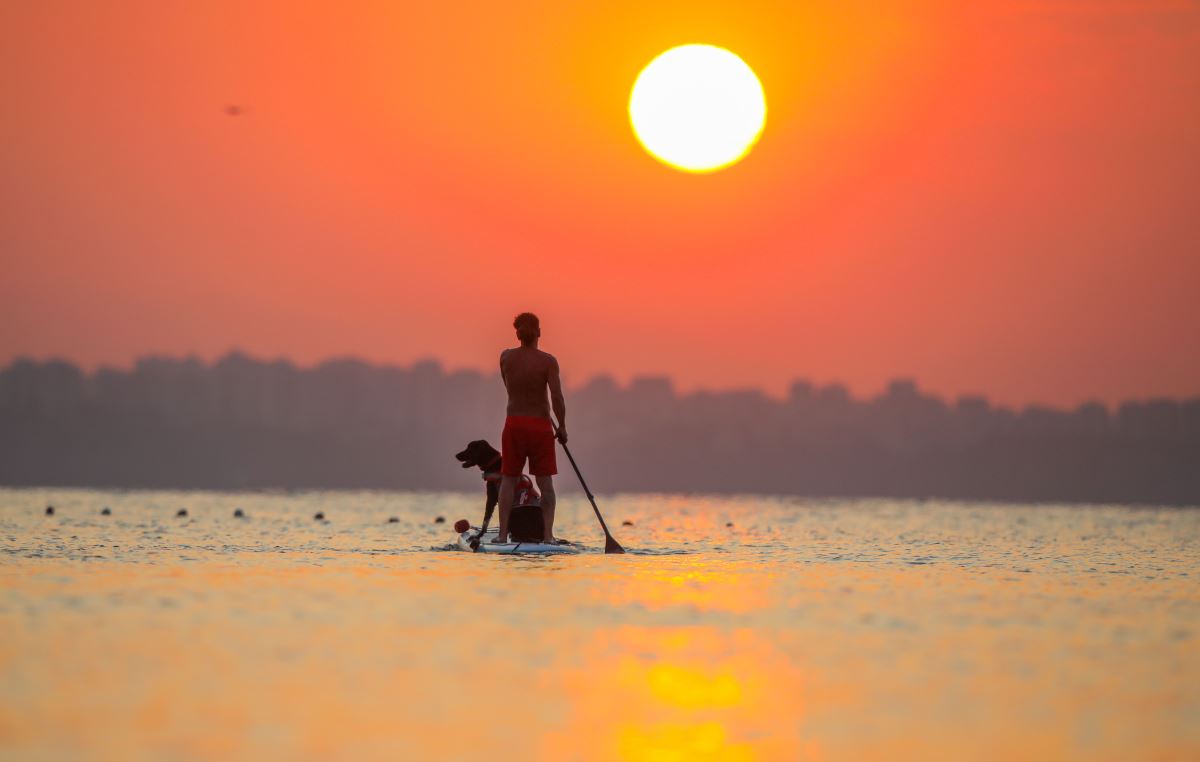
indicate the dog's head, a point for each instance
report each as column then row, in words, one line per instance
column 479, row 453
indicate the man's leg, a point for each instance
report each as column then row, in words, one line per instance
column 546, row 487
column 508, row 493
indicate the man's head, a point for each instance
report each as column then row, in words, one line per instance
column 528, row 327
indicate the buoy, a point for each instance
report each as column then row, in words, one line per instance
column 106, row 511
column 728, row 523
column 461, row 526
column 319, row 515
column 49, row 510
column 393, row 520
column 440, row 520
column 181, row 513
column 238, row 513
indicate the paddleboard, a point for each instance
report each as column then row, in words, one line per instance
column 489, row 546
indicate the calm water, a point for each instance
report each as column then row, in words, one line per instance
column 807, row 630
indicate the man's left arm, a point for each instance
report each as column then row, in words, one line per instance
column 556, row 400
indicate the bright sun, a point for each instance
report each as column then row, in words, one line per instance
column 697, row 108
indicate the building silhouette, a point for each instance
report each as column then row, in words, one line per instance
column 242, row 423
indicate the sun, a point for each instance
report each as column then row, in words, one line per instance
column 698, row 108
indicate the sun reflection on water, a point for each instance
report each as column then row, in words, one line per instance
column 684, row 693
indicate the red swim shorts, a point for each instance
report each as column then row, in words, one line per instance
column 527, row 437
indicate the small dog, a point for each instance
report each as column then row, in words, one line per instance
column 525, row 523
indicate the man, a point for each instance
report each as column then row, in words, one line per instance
column 528, row 373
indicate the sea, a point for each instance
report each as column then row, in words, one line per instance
column 735, row 628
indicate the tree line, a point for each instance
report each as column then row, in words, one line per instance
column 243, row 423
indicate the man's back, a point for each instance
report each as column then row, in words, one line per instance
column 531, row 378
column 527, row 374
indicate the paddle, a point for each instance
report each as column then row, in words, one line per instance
column 610, row 543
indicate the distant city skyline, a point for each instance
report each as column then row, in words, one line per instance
column 573, row 379
column 244, row 423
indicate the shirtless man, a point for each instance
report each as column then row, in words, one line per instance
column 527, row 373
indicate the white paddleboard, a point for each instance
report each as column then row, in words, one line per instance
column 490, row 546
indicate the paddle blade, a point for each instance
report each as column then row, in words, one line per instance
column 611, row 545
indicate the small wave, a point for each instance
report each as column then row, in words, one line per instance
column 658, row 552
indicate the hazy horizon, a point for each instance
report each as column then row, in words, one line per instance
column 574, row 381
column 242, row 422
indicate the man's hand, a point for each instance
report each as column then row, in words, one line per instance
column 562, row 435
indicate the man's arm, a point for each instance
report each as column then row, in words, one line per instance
column 557, row 401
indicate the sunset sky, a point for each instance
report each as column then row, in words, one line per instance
column 990, row 197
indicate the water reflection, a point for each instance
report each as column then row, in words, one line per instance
column 703, row 583
column 824, row 631
column 682, row 693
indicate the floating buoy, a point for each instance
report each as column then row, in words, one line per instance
column 319, row 515
column 440, row 520
column 106, row 511
column 49, row 510
column 461, row 526
column 238, row 513
column 182, row 512
column 728, row 523
column 393, row 520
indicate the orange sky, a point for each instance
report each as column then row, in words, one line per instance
column 995, row 197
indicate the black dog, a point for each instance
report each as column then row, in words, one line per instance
column 525, row 523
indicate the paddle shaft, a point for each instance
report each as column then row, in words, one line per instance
column 610, row 543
